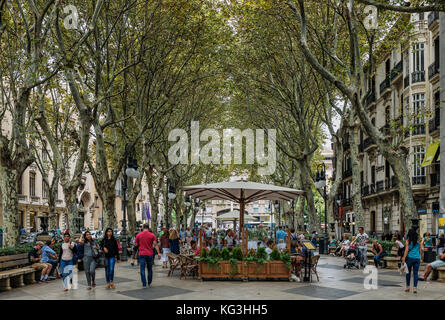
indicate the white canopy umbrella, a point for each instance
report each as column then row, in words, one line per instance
column 242, row 192
column 234, row 215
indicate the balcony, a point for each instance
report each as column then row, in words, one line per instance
column 386, row 84
column 433, row 17
column 418, row 76
column 433, row 69
column 435, row 179
column 347, row 173
column 419, row 180
column 346, row 202
column 380, row 186
column 372, row 188
column 406, row 82
column 346, row 146
column 22, row 197
column 370, row 99
column 35, row 199
column 394, row 182
column 360, row 147
column 397, row 70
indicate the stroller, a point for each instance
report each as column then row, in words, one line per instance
column 352, row 259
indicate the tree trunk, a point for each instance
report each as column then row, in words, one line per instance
column 52, row 223
column 108, row 202
column 299, row 219
column 71, row 211
column 356, row 187
column 313, row 218
column 10, row 206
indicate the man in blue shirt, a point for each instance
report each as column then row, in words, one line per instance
column 281, row 234
column 49, row 256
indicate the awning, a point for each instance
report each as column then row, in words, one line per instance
column 431, row 153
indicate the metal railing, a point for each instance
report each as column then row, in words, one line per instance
column 418, row 76
column 419, row 180
column 433, row 69
column 380, row 186
column 367, row 142
column 347, row 173
column 385, row 85
column 397, row 70
column 370, row 99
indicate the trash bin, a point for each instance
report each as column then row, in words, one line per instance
column 429, row 255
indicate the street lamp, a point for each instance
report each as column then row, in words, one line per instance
column 293, row 209
column 196, row 212
column 320, row 183
column 188, row 203
column 170, row 194
column 131, row 171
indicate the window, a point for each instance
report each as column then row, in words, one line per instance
column 418, row 170
column 44, row 190
column 32, row 184
column 418, row 106
column 419, row 57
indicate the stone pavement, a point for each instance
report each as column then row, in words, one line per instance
column 335, row 283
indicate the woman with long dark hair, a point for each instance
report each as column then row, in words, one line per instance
column 89, row 258
column 111, row 249
column 66, row 256
column 412, row 258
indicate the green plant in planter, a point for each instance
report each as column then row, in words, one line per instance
column 387, row 246
column 260, row 258
column 233, row 266
column 275, row 255
column 225, row 254
column 237, row 253
column 214, row 253
column 251, row 257
column 285, row 257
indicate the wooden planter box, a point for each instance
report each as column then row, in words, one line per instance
column 221, row 271
column 270, row 270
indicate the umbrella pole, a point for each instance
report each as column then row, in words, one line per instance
column 241, row 222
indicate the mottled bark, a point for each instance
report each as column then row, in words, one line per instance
column 299, row 218
column 109, row 206
column 10, row 206
column 71, row 210
column 52, row 197
column 356, row 187
column 313, row 218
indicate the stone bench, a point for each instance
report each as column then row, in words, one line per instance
column 439, row 274
column 392, row 261
column 14, row 273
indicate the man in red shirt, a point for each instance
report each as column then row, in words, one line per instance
column 145, row 241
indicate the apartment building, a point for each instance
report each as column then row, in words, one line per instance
column 405, row 91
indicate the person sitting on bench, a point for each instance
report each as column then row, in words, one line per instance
column 433, row 266
column 34, row 257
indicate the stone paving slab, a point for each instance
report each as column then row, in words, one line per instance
column 154, row 292
column 103, row 282
column 322, row 292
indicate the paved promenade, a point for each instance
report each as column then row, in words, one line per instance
column 335, row 283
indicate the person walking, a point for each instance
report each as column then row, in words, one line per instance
column 412, row 258
column 362, row 242
column 188, row 236
column 173, row 240
column 90, row 253
column 165, row 247
column 145, row 242
column 66, row 256
column 134, row 250
column 110, row 247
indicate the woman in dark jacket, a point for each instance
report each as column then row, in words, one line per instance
column 109, row 246
column 173, row 240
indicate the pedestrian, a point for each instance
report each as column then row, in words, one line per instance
column 400, row 246
column 173, row 239
column 134, row 250
column 145, row 242
column 314, row 239
column 379, row 253
column 110, row 247
column 165, row 247
column 229, row 240
column 412, row 258
column 397, row 236
column 188, row 236
column 441, row 244
column 90, row 254
column 389, row 236
column 362, row 240
column 66, row 256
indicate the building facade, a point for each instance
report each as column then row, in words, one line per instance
column 406, row 91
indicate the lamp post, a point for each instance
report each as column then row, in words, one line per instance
column 188, row 203
column 320, row 182
column 170, row 194
column 277, row 209
column 130, row 171
column 293, row 209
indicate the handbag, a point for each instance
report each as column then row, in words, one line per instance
column 101, row 261
column 95, row 252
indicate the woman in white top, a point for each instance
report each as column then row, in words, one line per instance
column 67, row 252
